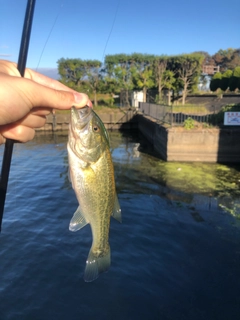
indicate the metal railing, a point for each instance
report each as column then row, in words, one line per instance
column 176, row 115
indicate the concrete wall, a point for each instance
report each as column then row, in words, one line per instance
column 194, row 145
column 203, row 145
column 172, row 144
column 112, row 121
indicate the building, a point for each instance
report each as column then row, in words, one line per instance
column 210, row 69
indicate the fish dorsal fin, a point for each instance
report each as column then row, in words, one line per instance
column 78, row 221
column 117, row 210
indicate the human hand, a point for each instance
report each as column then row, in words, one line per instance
column 25, row 102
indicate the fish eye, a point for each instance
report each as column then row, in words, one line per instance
column 95, row 128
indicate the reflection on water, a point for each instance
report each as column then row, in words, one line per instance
column 200, row 184
column 175, row 256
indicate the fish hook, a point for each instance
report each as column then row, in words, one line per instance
column 22, row 59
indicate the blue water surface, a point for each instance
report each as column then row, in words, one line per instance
column 171, row 258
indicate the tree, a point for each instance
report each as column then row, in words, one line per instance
column 177, row 87
column 227, row 59
column 142, row 72
column 168, row 81
column 80, row 74
column 216, row 81
column 93, row 68
column 234, row 82
column 225, row 81
column 71, row 71
column 159, row 68
column 187, row 68
column 117, row 69
column 235, row 60
column 208, row 59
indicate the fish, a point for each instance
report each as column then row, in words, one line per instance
column 91, row 173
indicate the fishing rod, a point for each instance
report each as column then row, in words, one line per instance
column 22, row 59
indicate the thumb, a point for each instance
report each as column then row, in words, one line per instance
column 58, row 99
column 19, row 95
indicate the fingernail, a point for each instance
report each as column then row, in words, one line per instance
column 89, row 104
column 78, row 97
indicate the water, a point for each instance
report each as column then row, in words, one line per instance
column 175, row 256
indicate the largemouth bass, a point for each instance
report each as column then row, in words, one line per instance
column 91, row 173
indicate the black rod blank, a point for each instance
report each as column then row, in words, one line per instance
column 22, row 59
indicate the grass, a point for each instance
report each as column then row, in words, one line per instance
column 62, row 111
column 191, row 108
column 100, row 96
column 98, row 109
column 101, row 108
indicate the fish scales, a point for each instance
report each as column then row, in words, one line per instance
column 92, row 176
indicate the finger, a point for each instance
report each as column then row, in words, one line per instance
column 58, row 99
column 54, row 84
column 2, row 139
column 45, row 81
column 26, row 94
column 9, row 68
column 41, row 111
column 77, row 99
column 33, row 121
column 19, row 133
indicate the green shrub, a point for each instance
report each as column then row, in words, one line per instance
column 188, row 124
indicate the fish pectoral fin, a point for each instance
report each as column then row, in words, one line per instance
column 117, row 210
column 97, row 264
column 78, row 221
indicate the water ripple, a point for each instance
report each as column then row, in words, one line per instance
column 175, row 256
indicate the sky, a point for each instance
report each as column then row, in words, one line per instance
column 93, row 29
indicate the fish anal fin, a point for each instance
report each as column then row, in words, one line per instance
column 78, row 221
column 116, row 214
column 96, row 264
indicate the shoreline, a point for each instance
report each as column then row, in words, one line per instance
column 111, row 120
column 216, row 145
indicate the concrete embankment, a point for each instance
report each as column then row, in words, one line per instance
column 204, row 145
column 172, row 144
column 112, row 121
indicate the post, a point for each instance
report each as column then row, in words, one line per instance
column 171, row 116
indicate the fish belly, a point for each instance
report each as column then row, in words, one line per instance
column 94, row 186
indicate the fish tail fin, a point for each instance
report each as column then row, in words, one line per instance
column 97, row 264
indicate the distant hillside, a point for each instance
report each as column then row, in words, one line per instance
column 49, row 72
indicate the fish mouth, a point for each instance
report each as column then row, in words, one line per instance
column 80, row 117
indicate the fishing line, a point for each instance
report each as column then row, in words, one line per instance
column 110, row 33
column 49, row 35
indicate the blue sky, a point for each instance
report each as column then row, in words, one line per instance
column 147, row 26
